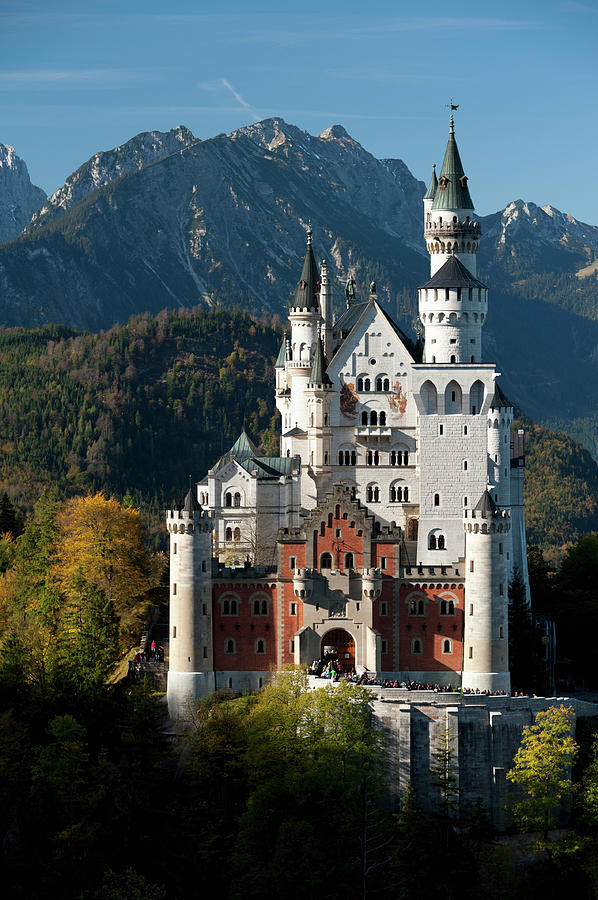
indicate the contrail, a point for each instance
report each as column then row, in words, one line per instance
column 240, row 99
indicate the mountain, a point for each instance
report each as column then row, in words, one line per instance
column 19, row 199
column 168, row 220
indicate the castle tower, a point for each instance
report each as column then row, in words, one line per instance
column 485, row 634
column 500, row 419
column 304, row 319
column 191, row 665
column 449, row 225
column 453, row 304
column 319, row 394
column 326, row 311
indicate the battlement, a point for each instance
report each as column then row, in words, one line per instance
column 466, row 227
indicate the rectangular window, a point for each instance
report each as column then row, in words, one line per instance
column 174, row 548
column 293, row 609
column 501, row 631
column 338, row 532
column 230, row 682
column 204, row 609
column 173, row 590
column 174, row 631
column 501, row 590
column 291, row 646
column 384, row 646
column 471, row 609
column 384, row 608
column 471, row 565
column 471, row 652
column 441, row 429
column 261, row 682
column 500, row 549
column 292, row 562
column 205, row 652
column 382, row 562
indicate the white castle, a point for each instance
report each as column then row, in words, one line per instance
column 388, row 529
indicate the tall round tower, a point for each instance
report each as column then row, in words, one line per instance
column 485, row 637
column 305, row 319
column 453, row 304
column 449, row 218
column 319, row 395
column 191, row 661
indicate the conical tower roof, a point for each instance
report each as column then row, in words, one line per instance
column 319, row 366
column 431, row 192
column 191, row 505
column 307, row 292
column 486, row 505
column 453, row 274
column 499, row 401
column 452, row 191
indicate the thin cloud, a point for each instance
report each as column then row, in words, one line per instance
column 71, row 79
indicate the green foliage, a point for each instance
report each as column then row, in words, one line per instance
column 542, row 769
column 525, row 641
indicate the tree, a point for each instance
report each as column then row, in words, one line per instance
column 525, row 648
column 542, row 769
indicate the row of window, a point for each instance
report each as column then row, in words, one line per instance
column 396, row 494
column 230, row 646
column 374, row 458
column 230, row 607
column 381, row 384
column 374, row 417
column 417, row 646
column 418, row 607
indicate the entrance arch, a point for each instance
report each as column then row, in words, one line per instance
column 340, row 644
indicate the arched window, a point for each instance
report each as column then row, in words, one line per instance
column 476, row 397
column 436, row 499
column 349, row 564
column 237, row 534
column 447, row 608
column 353, row 457
column 453, row 397
column 225, row 608
column 237, row 499
column 429, row 397
column 432, row 542
column 447, row 646
column 322, row 529
column 364, row 418
column 405, row 494
column 326, row 561
column 393, row 494
column 382, row 419
column 229, row 645
column 373, row 417
column 340, row 457
column 228, row 499
column 260, row 646
column 228, row 535
column 416, row 645
column 366, row 384
column 378, row 384
column 386, row 385
column 441, row 542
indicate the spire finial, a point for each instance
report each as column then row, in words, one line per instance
column 452, row 106
column 309, row 233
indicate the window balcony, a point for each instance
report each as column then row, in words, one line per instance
column 367, row 432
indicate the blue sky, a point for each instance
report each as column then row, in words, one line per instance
column 77, row 77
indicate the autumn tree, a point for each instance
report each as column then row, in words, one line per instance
column 542, row 769
column 100, row 544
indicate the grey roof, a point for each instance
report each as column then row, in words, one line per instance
column 242, row 447
column 452, row 191
column 453, row 274
column 318, row 368
column 307, row 292
column 269, row 466
column 431, row 192
column 486, row 505
column 352, row 316
column 499, row 401
column 191, row 505
column 282, row 355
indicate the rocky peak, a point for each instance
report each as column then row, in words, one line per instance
column 108, row 165
column 19, row 199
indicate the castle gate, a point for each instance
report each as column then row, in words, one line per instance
column 339, row 642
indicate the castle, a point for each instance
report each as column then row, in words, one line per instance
column 387, row 530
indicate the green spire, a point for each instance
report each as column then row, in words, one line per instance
column 242, row 448
column 319, row 366
column 452, row 191
column 431, row 192
column 307, row 292
column 282, row 354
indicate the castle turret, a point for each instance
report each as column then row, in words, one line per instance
column 191, row 665
column 326, row 311
column 449, row 223
column 500, row 419
column 485, row 638
column 430, row 194
column 319, row 394
column 304, row 318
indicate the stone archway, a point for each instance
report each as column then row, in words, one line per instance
column 340, row 643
